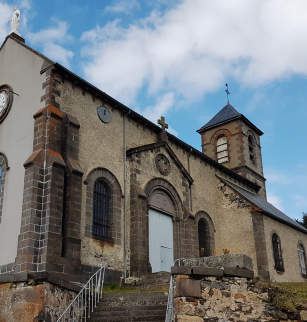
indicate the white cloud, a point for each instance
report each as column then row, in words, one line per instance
column 163, row 105
column 6, row 14
column 50, row 38
column 275, row 201
column 123, row 6
column 58, row 53
column 192, row 48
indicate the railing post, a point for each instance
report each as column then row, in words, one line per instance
column 83, row 301
column 170, row 309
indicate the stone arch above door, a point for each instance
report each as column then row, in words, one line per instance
column 161, row 195
column 160, row 201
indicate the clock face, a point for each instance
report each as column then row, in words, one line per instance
column 3, row 102
column 6, row 100
column 104, row 114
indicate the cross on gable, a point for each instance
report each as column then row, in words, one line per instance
column 162, row 123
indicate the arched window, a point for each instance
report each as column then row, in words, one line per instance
column 222, row 149
column 251, row 148
column 302, row 258
column 204, row 238
column 279, row 263
column 101, row 209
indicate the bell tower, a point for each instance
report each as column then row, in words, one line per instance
column 232, row 140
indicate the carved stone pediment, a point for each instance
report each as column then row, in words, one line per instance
column 162, row 161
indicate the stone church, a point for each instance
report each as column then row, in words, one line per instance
column 84, row 180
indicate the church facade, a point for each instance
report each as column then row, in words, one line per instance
column 85, row 180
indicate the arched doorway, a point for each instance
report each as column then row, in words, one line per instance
column 161, row 244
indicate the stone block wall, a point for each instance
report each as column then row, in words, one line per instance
column 32, row 299
column 214, row 294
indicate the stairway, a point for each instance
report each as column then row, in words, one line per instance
column 153, row 282
column 139, row 306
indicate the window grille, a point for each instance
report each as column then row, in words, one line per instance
column 222, row 150
column 101, row 209
column 301, row 255
column 279, row 264
column 204, row 238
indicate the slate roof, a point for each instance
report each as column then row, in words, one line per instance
column 266, row 207
column 226, row 113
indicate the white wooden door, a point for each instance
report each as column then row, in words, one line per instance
column 161, row 251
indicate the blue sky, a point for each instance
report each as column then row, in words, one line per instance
column 173, row 58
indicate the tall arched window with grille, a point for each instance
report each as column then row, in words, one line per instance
column 101, row 210
column 279, row 263
column 203, row 238
column 302, row 259
column 222, row 150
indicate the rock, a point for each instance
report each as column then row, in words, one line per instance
column 303, row 315
column 188, row 288
column 187, row 318
column 219, row 285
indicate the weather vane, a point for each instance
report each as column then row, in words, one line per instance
column 227, row 92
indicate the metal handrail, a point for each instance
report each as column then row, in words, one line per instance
column 87, row 299
column 170, row 307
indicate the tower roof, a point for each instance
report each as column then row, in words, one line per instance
column 225, row 115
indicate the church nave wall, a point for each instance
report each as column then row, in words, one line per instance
column 230, row 213
column 289, row 240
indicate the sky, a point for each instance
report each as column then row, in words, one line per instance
column 173, row 58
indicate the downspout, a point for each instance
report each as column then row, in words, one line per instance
column 125, row 200
column 190, row 174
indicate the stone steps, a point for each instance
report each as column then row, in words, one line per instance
column 138, row 306
column 160, row 318
column 154, row 281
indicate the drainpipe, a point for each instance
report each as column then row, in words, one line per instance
column 125, row 199
column 190, row 174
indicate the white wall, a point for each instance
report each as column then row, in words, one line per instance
column 20, row 68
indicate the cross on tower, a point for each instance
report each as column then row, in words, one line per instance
column 227, row 92
column 162, row 123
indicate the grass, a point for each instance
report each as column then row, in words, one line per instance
column 290, row 296
column 286, row 296
column 116, row 288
